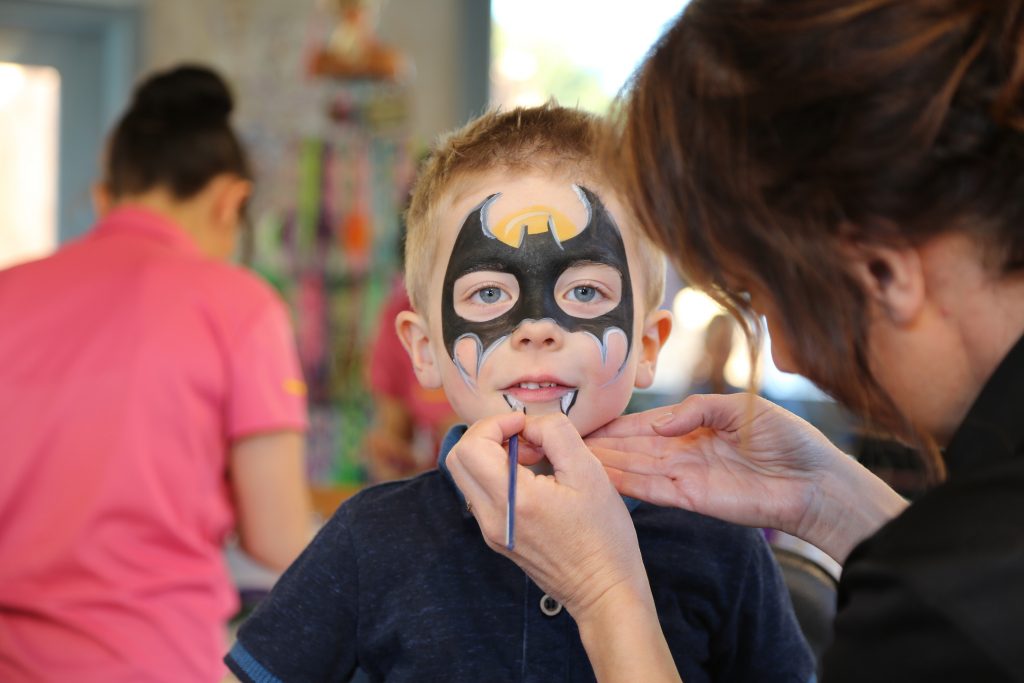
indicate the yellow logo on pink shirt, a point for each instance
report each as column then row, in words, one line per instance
column 295, row 387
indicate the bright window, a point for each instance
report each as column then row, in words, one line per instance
column 692, row 310
column 573, row 50
column 29, row 108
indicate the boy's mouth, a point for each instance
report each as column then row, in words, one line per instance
column 520, row 394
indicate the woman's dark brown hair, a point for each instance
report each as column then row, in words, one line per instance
column 175, row 135
column 760, row 133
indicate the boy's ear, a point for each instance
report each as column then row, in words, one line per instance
column 892, row 277
column 412, row 330
column 657, row 327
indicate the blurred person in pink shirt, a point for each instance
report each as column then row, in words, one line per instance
column 151, row 403
column 409, row 421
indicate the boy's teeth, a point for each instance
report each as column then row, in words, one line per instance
column 536, row 385
column 568, row 400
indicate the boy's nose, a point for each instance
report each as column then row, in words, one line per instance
column 538, row 334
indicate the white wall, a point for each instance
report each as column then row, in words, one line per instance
column 260, row 44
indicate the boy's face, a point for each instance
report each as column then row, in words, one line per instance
column 534, row 303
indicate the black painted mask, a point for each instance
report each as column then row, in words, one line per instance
column 537, row 262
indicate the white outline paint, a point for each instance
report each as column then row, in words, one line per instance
column 484, row 210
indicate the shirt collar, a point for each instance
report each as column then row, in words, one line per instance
column 993, row 431
column 147, row 224
column 452, row 438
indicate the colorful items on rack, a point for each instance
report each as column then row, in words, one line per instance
column 332, row 252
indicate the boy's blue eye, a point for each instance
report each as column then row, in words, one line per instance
column 584, row 293
column 489, row 295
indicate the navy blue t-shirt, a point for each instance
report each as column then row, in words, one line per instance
column 399, row 583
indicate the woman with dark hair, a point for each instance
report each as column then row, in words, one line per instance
column 852, row 170
column 150, row 402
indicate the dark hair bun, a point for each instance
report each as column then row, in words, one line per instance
column 184, row 95
column 175, row 135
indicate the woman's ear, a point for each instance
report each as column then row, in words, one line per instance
column 892, row 277
column 412, row 330
column 102, row 201
column 657, row 327
column 229, row 195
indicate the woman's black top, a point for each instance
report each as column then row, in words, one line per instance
column 938, row 593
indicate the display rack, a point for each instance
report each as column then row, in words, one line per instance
column 328, row 241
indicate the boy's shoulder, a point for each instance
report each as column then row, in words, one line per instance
column 389, row 497
column 416, row 505
column 407, row 531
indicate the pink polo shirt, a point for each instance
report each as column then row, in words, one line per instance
column 128, row 364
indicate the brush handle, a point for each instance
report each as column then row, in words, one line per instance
column 510, row 516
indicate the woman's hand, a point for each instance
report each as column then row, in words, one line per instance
column 574, row 537
column 741, row 458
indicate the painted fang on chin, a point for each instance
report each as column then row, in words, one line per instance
column 515, row 404
column 568, row 401
column 565, row 403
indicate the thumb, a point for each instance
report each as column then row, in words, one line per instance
column 497, row 428
column 563, row 446
column 714, row 411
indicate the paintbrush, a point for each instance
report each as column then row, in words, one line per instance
column 510, row 517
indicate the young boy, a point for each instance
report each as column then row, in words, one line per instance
column 530, row 293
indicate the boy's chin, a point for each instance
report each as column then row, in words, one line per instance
column 547, row 408
column 582, row 416
column 555, row 408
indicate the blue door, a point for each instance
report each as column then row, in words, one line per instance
column 94, row 50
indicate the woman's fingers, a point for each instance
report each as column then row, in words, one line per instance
column 627, row 455
column 633, row 424
column 563, row 446
column 479, row 463
column 498, row 428
column 654, row 454
column 700, row 410
column 719, row 412
column 552, row 433
column 529, row 454
column 655, row 489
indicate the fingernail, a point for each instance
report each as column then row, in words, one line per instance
column 662, row 420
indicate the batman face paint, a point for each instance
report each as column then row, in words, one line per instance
column 522, row 284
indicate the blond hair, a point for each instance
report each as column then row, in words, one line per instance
column 547, row 138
